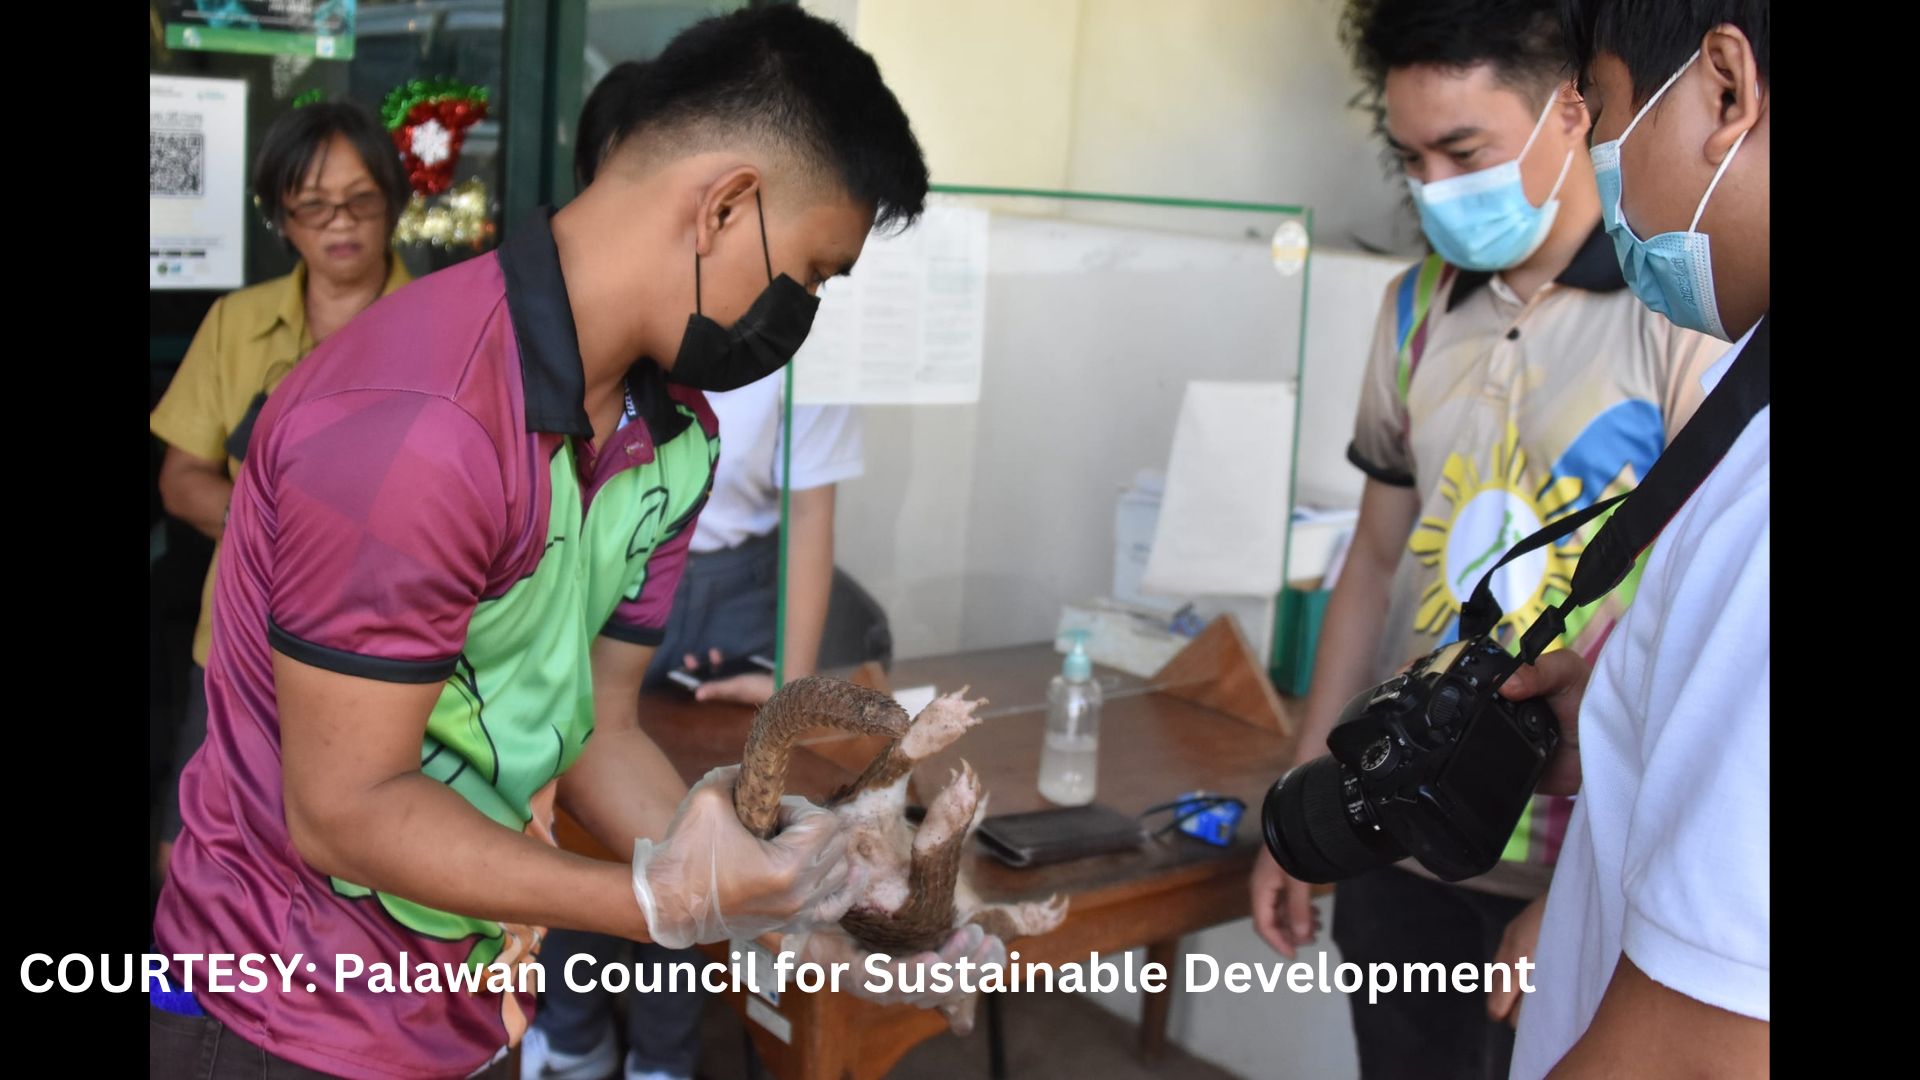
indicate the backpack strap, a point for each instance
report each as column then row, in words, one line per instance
column 1414, row 304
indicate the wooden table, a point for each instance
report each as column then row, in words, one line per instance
column 1152, row 748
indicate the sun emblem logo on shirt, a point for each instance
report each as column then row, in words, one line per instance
column 1490, row 514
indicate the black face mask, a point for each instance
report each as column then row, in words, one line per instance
column 766, row 337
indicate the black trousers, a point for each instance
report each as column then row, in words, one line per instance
column 727, row 600
column 1395, row 917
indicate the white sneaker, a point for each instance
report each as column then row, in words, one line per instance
column 633, row 1072
column 540, row 1061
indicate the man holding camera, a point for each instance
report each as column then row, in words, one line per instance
column 1514, row 379
column 1654, row 955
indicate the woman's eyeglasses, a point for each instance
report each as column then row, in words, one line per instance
column 319, row 213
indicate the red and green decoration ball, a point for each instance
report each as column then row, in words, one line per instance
column 429, row 119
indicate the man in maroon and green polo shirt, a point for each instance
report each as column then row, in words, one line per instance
column 449, row 558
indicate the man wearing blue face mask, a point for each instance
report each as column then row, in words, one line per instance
column 1654, row 954
column 1514, row 380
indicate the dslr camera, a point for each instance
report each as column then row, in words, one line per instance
column 1432, row 763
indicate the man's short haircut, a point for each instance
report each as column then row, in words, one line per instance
column 779, row 76
column 1520, row 40
column 1654, row 37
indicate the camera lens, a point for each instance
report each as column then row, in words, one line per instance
column 1309, row 831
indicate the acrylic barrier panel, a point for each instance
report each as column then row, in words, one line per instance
column 1019, row 366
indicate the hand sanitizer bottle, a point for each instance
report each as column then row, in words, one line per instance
column 1069, row 762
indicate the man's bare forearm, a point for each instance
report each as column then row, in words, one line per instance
column 1356, row 612
column 414, row 837
column 809, row 578
column 622, row 788
column 196, row 491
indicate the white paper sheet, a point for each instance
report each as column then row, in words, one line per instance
column 909, row 326
column 197, row 158
column 1223, row 519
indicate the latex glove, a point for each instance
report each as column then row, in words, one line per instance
column 710, row 879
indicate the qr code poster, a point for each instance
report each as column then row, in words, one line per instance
column 177, row 164
column 196, row 168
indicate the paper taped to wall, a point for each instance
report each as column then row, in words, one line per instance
column 908, row 327
column 1223, row 519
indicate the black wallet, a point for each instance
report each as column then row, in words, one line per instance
column 1039, row 837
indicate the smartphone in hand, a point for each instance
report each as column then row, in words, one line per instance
column 727, row 669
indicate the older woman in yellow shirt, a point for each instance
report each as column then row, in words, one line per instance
column 328, row 180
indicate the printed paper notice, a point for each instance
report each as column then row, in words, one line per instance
column 197, row 161
column 909, row 326
column 1222, row 529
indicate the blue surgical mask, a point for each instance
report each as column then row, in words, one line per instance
column 1483, row 221
column 1671, row 273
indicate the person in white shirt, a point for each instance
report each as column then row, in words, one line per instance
column 1653, row 957
column 726, row 605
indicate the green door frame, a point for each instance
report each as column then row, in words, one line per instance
column 545, row 60
column 545, row 51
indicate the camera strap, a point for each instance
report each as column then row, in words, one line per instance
column 1638, row 515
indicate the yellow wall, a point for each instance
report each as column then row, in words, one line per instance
column 989, row 83
column 1222, row 99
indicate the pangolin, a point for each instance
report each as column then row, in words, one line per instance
column 914, row 896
